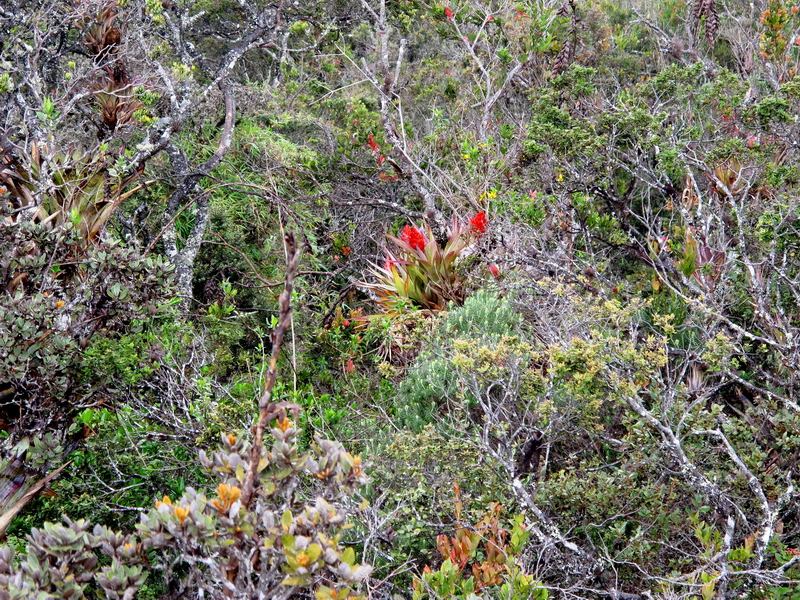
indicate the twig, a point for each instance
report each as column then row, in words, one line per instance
column 267, row 410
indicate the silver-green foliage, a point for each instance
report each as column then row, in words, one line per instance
column 483, row 320
column 284, row 540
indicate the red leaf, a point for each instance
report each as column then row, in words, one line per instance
column 373, row 144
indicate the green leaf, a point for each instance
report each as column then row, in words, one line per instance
column 286, row 520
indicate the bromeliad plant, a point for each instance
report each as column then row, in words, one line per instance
column 77, row 187
column 420, row 273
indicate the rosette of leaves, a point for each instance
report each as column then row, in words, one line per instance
column 59, row 187
column 420, row 273
column 101, row 35
column 81, row 188
column 117, row 103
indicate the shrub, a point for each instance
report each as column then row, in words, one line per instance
column 483, row 320
column 60, row 293
column 287, row 538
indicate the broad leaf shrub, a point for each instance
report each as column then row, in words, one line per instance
column 481, row 558
column 286, row 542
column 60, row 293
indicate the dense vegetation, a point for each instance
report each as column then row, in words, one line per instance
column 407, row 299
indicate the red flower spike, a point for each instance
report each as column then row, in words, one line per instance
column 413, row 237
column 493, row 268
column 479, row 223
column 448, row 13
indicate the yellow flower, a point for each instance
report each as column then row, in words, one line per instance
column 182, row 513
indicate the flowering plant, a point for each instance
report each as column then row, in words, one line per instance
column 422, row 273
column 478, row 224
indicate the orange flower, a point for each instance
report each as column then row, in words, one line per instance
column 227, row 496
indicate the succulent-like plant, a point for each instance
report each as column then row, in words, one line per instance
column 76, row 186
column 101, row 35
column 117, row 103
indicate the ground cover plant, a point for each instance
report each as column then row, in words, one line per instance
column 417, row 299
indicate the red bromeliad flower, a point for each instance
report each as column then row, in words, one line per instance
column 479, row 223
column 413, row 237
